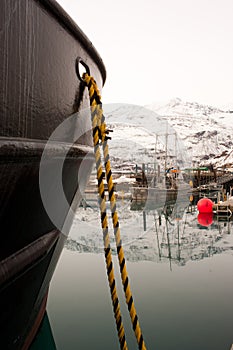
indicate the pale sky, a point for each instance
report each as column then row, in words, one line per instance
column 155, row 50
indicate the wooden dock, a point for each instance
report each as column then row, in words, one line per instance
column 224, row 209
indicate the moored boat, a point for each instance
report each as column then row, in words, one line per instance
column 39, row 53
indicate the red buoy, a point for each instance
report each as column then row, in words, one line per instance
column 205, row 219
column 205, row 205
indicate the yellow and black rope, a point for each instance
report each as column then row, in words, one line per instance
column 100, row 135
column 95, row 113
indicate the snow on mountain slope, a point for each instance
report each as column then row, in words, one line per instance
column 140, row 136
column 193, row 133
column 206, row 130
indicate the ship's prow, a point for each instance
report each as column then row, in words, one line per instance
column 39, row 91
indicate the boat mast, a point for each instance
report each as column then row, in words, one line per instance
column 166, row 139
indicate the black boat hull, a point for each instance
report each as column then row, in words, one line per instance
column 39, row 85
column 39, row 90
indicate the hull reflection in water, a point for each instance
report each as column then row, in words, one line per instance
column 44, row 338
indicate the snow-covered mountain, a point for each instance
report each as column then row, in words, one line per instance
column 191, row 133
column 205, row 130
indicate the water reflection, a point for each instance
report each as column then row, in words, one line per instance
column 175, row 233
column 181, row 276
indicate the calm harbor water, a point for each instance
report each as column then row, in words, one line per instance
column 183, row 301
